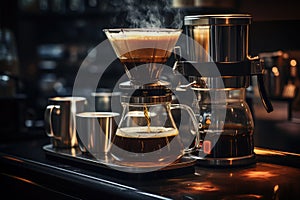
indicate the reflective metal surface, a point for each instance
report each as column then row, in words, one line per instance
column 224, row 37
column 60, row 121
column 95, row 131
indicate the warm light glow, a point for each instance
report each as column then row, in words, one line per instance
column 293, row 63
column 267, row 152
column 203, row 186
column 276, row 188
column 293, row 68
column 227, row 21
column 260, row 151
column 12, row 158
column 259, row 174
column 207, row 121
column 20, row 178
column 73, row 152
column 275, row 71
column 25, row 180
column 285, row 55
column 206, row 146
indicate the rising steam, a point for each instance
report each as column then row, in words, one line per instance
column 150, row 14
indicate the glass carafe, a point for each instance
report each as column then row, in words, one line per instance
column 227, row 137
column 148, row 134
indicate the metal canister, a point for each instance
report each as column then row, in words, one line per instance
column 224, row 37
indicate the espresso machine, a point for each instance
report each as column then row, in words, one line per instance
column 219, row 68
column 147, row 134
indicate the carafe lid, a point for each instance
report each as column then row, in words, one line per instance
column 147, row 96
column 160, row 84
column 218, row 19
column 147, row 99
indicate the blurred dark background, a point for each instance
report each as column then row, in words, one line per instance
column 54, row 36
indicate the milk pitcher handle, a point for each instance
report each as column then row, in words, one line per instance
column 48, row 119
column 194, row 123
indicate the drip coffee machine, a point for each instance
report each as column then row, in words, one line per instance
column 219, row 70
column 147, row 133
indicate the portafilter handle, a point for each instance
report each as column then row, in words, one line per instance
column 257, row 68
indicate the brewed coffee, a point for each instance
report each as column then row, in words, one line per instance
column 234, row 140
column 140, row 140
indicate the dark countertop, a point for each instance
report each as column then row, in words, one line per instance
column 26, row 166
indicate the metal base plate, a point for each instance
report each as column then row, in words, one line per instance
column 225, row 162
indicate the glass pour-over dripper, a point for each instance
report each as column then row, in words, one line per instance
column 143, row 51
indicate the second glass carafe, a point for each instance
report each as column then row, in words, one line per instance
column 225, row 126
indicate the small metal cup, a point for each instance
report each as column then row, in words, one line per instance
column 60, row 122
column 95, row 131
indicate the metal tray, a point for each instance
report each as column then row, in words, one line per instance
column 75, row 155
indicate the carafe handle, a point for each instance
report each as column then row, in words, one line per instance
column 194, row 123
column 257, row 68
column 48, row 119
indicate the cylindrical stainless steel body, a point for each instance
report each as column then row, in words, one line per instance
column 223, row 37
column 220, row 40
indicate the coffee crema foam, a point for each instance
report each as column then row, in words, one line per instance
column 143, row 132
column 128, row 40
